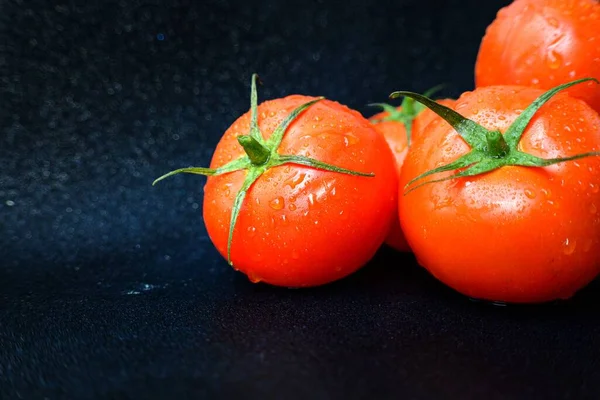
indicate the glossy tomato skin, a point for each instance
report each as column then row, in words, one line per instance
column 543, row 43
column 299, row 226
column 395, row 135
column 515, row 234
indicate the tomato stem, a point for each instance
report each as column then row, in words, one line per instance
column 257, row 153
column 496, row 145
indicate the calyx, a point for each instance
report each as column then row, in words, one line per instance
column 409, row 110
column 490, row 150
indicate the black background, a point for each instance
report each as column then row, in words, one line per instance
column 110, row 288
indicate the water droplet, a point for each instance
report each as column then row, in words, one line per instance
column 552, row 22
column 251, row 231
column 317, row 118
column 9, row 203
column 311, row 199
column 292, row 207
column 535, row 81
column 530, row 193
column 271, row 113
column 553, row 59
column 546, row 192
column 317, row 222
column 254, row 278
column 569, row 246
column 350, row 139
column 593, row 209
column 333, row 191
column 295, row 180
column 501, row 117
column 594, row 188
column 263, row 115
column 277, row 203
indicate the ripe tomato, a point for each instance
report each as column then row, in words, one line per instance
column 393, row 124
column 305, row 217
column 517, row 218
column 543, row 43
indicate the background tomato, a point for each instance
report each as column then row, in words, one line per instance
column 515, row 234
column 543, row 43
column 394, row 132
column 300, row 226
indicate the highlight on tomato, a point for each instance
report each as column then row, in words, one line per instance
column 502, row 202
column 543, row 43
column 300, row 192
column 398, row 125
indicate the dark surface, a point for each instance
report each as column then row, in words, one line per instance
column 110, row 288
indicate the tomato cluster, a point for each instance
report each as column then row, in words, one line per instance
column 497, row 193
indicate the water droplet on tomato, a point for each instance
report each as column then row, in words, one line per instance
column 593, row 209
column 552, row 22
column 350, row 139
column 594, row 188
column 569, row 246
column 292, row 207
column 535, row 81
column 553, row 59
column 271, row 114
column 263, row 115
column 546, row 192
column 254, row 278
column 530, row 193
column 311, row 199
column 277, row 203
column 251, row 231
column 333, row 191
column 295, row 180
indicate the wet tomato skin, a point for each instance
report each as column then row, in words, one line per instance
column 515, row 234
column 394, row 133
column 299, row 226
column 543, row 43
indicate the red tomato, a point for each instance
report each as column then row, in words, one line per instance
column 510, row 222
column 301, row 225
column 543, row 43
column 395, row 133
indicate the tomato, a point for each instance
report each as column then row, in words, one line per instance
column 393, row 124
column 312, row 187
column 502, row 201
column 543, row 43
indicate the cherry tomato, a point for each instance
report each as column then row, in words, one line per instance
column 312, row 187
column 397, row 125
column 501, row 201
column 543, row 43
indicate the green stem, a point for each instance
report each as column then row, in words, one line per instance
column 496, row 145
column 257, row 153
